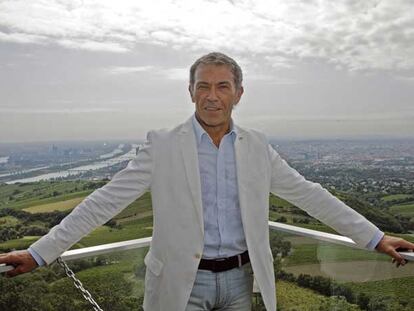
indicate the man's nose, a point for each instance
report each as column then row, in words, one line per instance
column 212, row 94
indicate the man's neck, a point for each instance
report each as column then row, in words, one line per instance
column 216, row 133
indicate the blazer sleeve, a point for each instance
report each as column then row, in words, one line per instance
column 288, row 184
column 100, row 206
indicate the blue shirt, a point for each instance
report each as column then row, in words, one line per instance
column 223, row 227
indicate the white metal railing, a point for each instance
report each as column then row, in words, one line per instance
column 138, row 243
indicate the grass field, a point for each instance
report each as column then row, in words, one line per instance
column 22, row 243
column 307, row 256
column 20, row 196
column 56, row 206
column 276, row 201
column 305, row 252
column 135, row 221
column 134, row 229
column 401, row 288
column 36, row 201
column 403, row 209
column 143, row 204
column 294, row 298
column 353, row 271
column 393, row 197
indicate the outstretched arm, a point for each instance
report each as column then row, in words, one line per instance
column 319, row 203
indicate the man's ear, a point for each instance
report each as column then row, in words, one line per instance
column 239, row 92
column 191, row 92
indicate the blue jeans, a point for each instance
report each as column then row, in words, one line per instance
column 222, row 291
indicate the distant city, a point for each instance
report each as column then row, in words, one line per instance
column 385, row 166
column 361, row 166
column 63, row 161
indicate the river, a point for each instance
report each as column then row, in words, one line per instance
column 77, row 170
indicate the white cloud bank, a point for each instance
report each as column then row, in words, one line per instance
column 353, row 34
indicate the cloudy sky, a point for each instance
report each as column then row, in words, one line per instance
column 72, row 69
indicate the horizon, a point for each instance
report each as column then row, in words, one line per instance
column 270, row 139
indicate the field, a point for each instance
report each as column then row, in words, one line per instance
column 134, row 229
column 56, row 206
column 400, row 288
column 305, row 251
column 403, row 209
column 364, row 271
column 342, row 263
column 294, row 298
column 394, row 197
column 353, row 271
column 22, row 243
column 20, row 196
column 131, row 229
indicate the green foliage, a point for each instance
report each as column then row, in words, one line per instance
column 315, row 253
column 294, row 298
column 117, row 280
column 134, row 229
column 399, row 288
column 109, row 278
column 282, row 219
column 397, row 197
column 143, row 204
column 21, row 243
column 37, row 193
column 29, row 224
column 403, row 209
column 384, row 220
column 337, row 303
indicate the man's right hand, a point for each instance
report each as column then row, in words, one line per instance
column 22, row 262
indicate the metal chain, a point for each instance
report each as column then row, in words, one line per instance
column 78, row 284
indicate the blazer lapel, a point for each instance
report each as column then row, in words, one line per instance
column 241, row 151
column 190, row 157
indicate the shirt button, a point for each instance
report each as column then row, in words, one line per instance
column 198, row 255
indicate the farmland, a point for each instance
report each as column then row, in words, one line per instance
column 36, row 205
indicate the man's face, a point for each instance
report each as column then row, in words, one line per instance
column 214, row 94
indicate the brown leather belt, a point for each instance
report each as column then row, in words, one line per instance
column 224, row 264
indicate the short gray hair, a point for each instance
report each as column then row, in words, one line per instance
column 217, row 58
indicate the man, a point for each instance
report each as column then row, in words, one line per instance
column 210, row 183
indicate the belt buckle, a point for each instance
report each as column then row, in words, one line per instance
column 216, row 264
column 239, row 259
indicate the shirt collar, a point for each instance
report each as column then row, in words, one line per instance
column 199, row 131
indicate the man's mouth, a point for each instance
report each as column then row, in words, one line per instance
column 212, row 108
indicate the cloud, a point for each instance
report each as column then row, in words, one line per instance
column 181, row 74
column 127, row 69
column 22, row 38
column 178, row 73
column 353, row 34
column 42, row 111
column 93, row 45
column 408, row 79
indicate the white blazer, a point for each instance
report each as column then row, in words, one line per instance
column 168, row 166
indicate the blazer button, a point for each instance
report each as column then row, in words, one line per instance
column 198, row 256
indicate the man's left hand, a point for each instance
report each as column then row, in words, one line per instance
column 391, row 246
